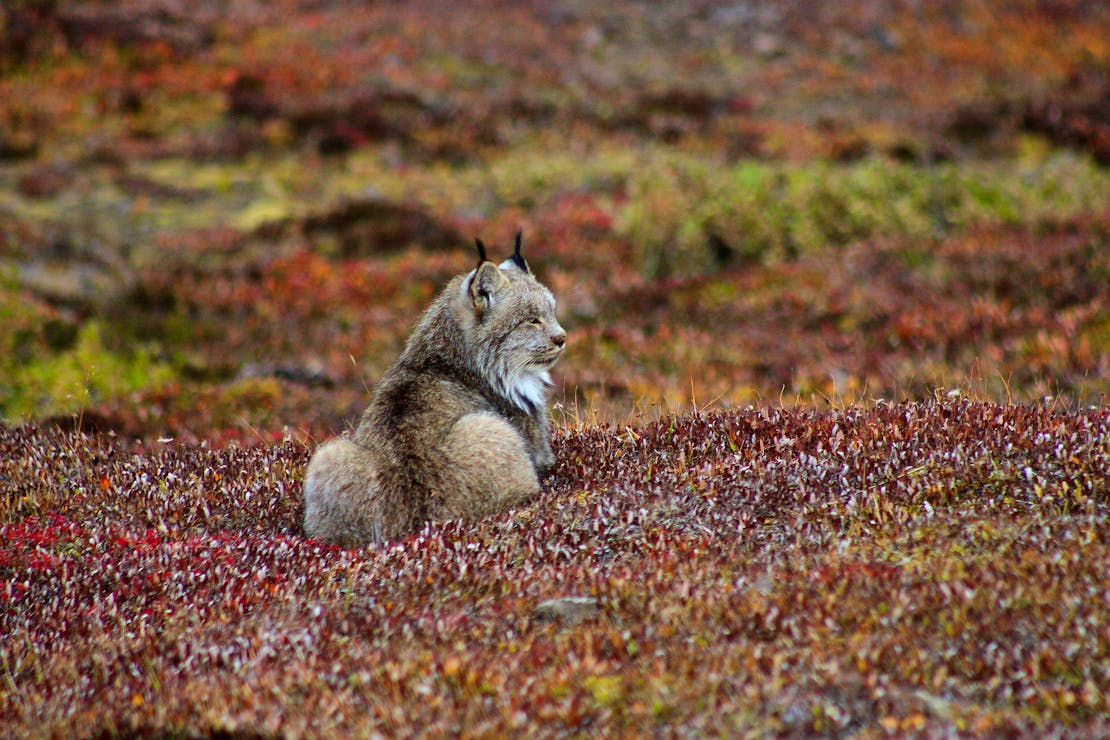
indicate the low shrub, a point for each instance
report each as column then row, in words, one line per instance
column 687, row 215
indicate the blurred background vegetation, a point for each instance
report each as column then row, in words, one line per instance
column 218, row 220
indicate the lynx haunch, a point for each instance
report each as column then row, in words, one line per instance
column 458, row 426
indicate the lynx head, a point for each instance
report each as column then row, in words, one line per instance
column 509, row 318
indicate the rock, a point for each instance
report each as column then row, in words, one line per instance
column 569, row 610
column 767, row 45
column 311, row 374
column 88, row 276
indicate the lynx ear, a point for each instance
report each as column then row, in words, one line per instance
column 517, row 261
column 485, row 285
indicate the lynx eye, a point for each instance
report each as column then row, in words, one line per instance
column 535, row 322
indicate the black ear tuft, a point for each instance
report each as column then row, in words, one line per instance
column 518, row 258
column 481, row 251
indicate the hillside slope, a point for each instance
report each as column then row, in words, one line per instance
column 925, row 566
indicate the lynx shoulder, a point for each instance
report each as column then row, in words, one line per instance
column 458, row 426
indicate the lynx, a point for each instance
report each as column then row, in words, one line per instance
column 458, row 426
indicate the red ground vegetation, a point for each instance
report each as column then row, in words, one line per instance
column 930, row 566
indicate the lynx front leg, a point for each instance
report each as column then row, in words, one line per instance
column 545, row 457
column 490, row 466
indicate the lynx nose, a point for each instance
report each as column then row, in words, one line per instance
column 559, row 339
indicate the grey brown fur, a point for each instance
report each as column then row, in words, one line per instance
column 458, row 426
